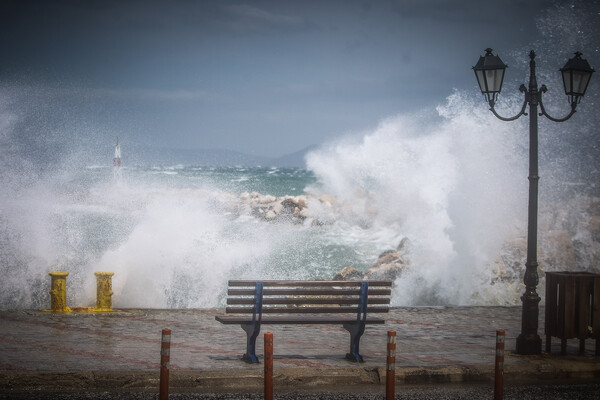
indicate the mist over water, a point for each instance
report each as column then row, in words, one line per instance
column 452, row 179
column 443, row 184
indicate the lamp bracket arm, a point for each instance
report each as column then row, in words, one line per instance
column 522, row 112
column 543, row 112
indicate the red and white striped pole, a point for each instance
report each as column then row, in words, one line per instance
column 165, row 357
column 268, row 366
column 499, row 367
column 390, row 373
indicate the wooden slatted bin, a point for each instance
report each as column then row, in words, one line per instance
column 572, row 308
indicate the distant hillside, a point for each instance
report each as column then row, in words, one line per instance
column 295, row 159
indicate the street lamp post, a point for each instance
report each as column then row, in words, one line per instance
column 576, row 73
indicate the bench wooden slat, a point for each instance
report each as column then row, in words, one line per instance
column 305, row 310
column 305, row 300
column 243, row 283
column 308, row 292
column 284, row 319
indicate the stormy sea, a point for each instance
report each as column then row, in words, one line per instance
column 434, row 199
column 442, row 201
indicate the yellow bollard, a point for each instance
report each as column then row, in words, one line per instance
column 58, row 292
column 104, row 291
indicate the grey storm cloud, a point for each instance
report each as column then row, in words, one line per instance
column 268, row 77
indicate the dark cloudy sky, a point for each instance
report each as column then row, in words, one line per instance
column 262, row 77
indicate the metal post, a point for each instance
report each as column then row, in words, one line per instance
column 529, row 342
column 165, row 357
column 499, row 366
column 104, row 291
column 58, row 292
column 268, row 366
column 390, row 374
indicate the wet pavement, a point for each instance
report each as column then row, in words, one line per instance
column 406, row 392
column 47, row 351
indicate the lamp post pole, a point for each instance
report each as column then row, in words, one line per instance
column 529, row 342
column 576, row 75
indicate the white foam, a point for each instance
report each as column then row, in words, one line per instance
column 448, row 184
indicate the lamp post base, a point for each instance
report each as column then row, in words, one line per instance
column 530, row 344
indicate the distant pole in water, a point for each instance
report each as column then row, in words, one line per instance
column 117, row 161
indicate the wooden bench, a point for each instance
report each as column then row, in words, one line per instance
column 347, row 303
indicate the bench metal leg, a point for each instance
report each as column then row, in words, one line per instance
column 356, row 331
column 252, row 331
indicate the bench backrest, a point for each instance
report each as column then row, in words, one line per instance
column 312, row 297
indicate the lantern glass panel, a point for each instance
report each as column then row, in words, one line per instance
column 481, row 80
column 497, row 77
column 580, row 82
column 567, row 82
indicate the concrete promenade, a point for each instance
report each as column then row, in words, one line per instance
column 103, row 351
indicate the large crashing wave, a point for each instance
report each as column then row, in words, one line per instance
column 453, row 184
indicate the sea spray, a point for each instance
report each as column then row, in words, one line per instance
column 183, row 244
column 452, row 180
column 178, row 253
column 448, row 185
